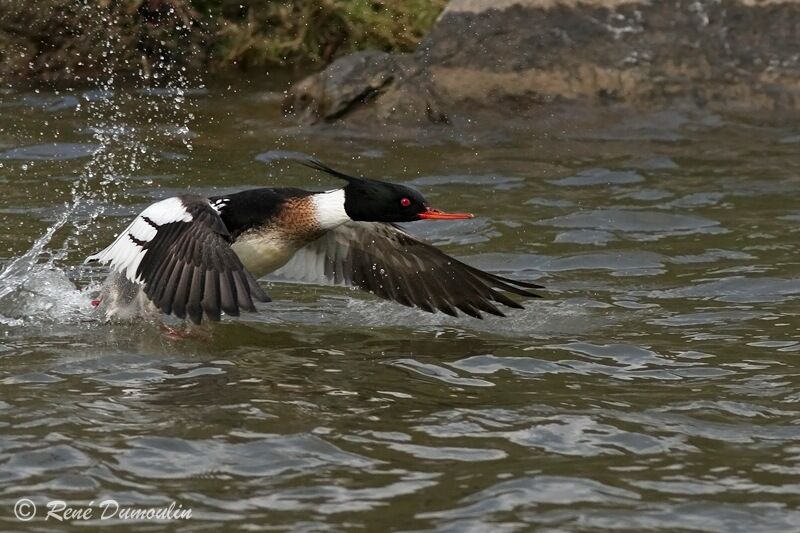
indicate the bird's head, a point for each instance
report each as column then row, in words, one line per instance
column 368, row 200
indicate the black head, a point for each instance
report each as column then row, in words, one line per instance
column 376, row 201
column 368, row 200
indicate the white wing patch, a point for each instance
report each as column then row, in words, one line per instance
column 141, row 230
column 166, row 211
column 125, row 254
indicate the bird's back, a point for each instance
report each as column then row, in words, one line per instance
column 254, row 208
column 268, row 225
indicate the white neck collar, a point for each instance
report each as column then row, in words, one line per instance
column 329, row 206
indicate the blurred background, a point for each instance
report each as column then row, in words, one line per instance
column 71, row 41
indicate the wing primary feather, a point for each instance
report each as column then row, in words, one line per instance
column 504, row 283
column 182, row 292
column 500, row 284
column 520, row 283
column 211, row 296
column 154, row 288
column 193, row 305
column 171, row 287
column 484, row 293
column 443, row 302
column 227, row 292
column 485, row 305
column 447, row 309
column 468, row 309
column 394, row 290
column 242, row 292
column 418, row 296
column 505, row 300
column 255, row 289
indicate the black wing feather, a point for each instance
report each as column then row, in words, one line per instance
column 193, row 307
column 210, row 302
column 392, row 264
column 187, row 266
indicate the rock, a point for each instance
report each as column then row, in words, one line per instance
column 515, row 57
column 350, row 84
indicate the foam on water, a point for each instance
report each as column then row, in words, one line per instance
column 45, row 295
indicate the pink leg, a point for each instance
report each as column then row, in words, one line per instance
column 185, row 332
column 174, row 334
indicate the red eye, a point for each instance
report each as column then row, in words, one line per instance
column 405, row 202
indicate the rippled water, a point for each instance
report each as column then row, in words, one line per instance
column 655, row 386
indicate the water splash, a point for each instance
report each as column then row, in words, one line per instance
column 127, row 123
column 16, row 272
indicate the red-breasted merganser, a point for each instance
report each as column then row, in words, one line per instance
column 192, row 256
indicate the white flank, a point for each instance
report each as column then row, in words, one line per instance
column 329, row 207
column 263, row 254
column 124, row 254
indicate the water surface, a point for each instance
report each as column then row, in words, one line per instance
column 654, row 387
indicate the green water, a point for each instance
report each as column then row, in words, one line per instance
column 654, row 387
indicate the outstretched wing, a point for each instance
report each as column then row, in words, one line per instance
column 179, row 250
column 390, row 263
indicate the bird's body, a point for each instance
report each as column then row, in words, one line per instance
column 195, row 256
column 269, row 225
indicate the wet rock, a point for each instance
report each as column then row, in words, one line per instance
column 350, row 85
column 514, row 57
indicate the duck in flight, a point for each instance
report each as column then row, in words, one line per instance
column 192, row 256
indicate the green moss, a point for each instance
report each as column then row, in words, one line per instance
column 285, row 32
column 53, row 40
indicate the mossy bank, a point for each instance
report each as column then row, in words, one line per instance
column 86, row 40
